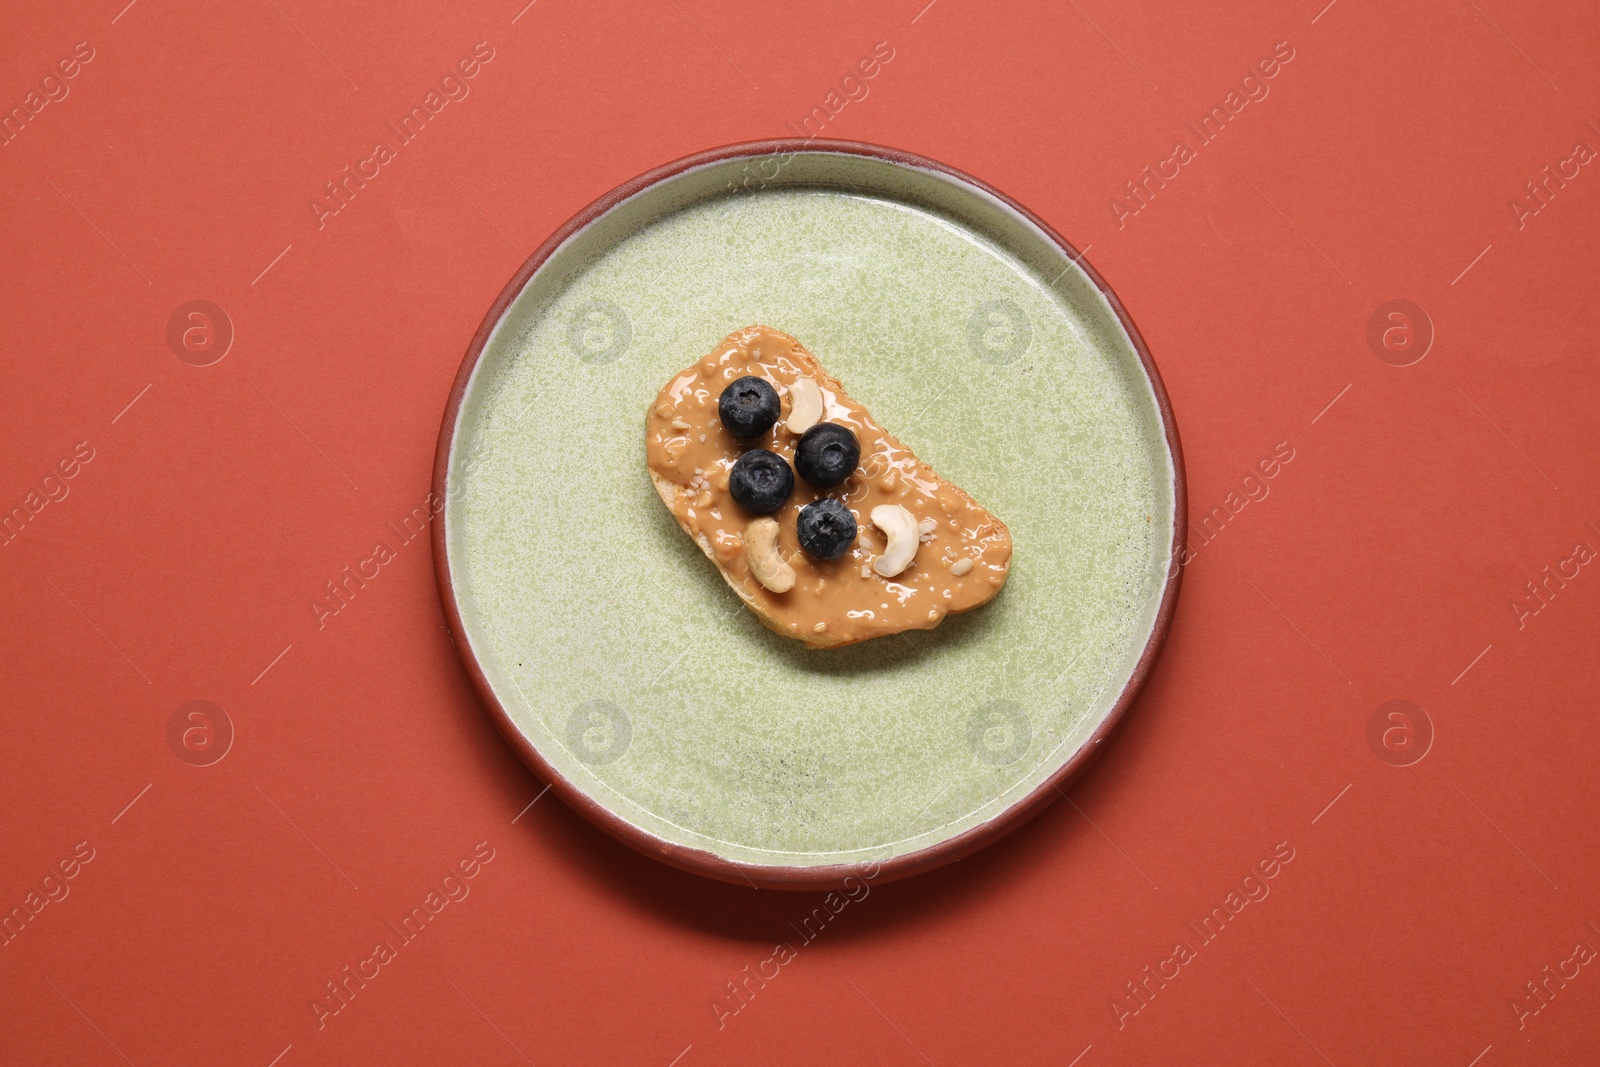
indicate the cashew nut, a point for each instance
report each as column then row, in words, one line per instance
column 805, row 405
column 900, row 527
column 761, row 552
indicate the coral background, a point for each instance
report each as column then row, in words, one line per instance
column 1383, row 566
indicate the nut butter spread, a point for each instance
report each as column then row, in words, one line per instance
column 962, row 552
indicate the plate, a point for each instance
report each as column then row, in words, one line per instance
column 610, row 652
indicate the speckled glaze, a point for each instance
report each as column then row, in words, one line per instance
column 628, row 672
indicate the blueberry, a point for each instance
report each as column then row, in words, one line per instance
column 748, row 407
column 760, row 481
column 827, row 454
column 826, row 528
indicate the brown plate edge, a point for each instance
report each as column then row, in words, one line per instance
column 697, row 861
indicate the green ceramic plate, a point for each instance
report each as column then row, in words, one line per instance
column 612, row 654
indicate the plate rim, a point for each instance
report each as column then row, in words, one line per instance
column 699, row 861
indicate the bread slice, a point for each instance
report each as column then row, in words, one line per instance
column 962, row 550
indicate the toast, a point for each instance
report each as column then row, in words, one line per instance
column 923, row 549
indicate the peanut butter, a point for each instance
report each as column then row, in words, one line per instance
column 962, row 554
